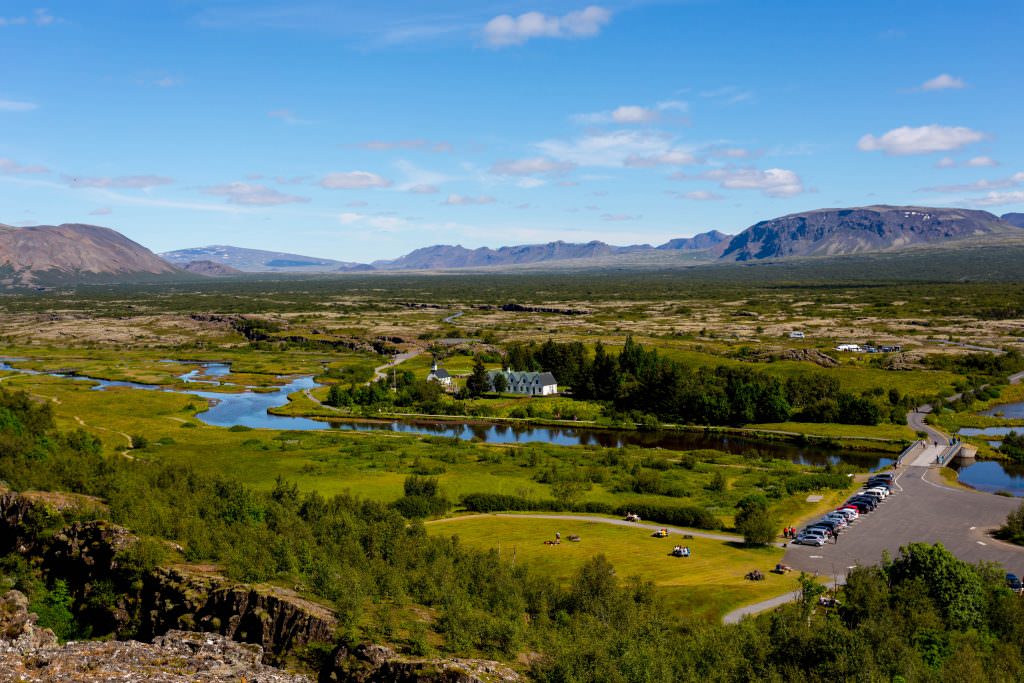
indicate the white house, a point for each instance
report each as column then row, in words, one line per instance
column 796, row 334
column 527, row 383
column 849, row 347
column 440, row 375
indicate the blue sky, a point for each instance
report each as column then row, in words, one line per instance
column 362, row 130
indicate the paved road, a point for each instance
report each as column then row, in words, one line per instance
column 925, row 510
column 602, row 520
column 1017, row 379
column 962, row 345
column 451, row 319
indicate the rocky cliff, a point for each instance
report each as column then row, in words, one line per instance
column 29, row 653
column 169, row 605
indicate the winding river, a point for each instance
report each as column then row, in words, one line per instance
column 249, row 409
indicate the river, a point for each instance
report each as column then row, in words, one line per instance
column 249, row 409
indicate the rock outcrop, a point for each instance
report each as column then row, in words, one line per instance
column 30, row 654
column 369, row 663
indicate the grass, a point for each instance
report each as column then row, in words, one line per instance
column 838, row 431
column 705, row 586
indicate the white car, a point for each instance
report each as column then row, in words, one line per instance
column 839, row 517
column 849, row 513
column 881, row 490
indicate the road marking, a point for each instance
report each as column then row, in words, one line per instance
column 982, row 543
column 818, row 557
column 973, row 528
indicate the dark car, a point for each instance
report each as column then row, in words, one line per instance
column 1013, row 582
column 861, row 507
column 885, row 483
column 833, row 527
column 868, row 503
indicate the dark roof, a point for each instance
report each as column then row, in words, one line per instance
column 440, row 373
column 541, row 378
column 547, row 378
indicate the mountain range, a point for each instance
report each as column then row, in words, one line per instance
column 45, row 254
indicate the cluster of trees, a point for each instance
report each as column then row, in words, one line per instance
column 640, row 380
column 924, row 616
column 1013, row 529
column 1013, row 446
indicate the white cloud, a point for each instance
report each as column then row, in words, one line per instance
column 251, row 194
column 13, row 105
column 529, row 183
column 14, row 168
column 617, row 217
column 505, row 30
column 999, row 198
column 981, row 162
column 772, row 182
column 921, row 140
column 946, row 162
column 134, row 182
column 417, row 144
column 531, row 166
column 943, row 82
column 673, row 157
column 462, row 200
column 730, row 94
column 353, row 180
column 168, row 82
column 701, row 196
column 101, row 211
column 379, row 222
column 288, row 116
column 999, row 183
column 424, row 188
column 41, row 17
column 419, row 180
column 607, row 149
column 632, row 113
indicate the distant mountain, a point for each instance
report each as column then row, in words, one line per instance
column 1016, row 219
column 210, row 269
column 831, row 232
column 705, row 240
column 443, row 256
column 70, row 253
column 257, row 260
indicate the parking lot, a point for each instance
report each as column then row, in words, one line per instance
column 920, row 509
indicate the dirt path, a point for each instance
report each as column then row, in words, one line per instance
column 381, row 372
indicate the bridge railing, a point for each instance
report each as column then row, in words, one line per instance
column 911, row 451
column 950, row 452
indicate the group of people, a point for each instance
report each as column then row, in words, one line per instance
column 681, row 551
column 789, row 532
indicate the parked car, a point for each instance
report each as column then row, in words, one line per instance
column 878, row 491
column 862, row 507
column 811, row 537
column 849, row 513
column 867, row 502
column 838, row 518
column 1014, row 583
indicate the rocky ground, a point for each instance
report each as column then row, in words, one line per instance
column 31, row 654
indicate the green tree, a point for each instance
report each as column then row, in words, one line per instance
column 500, row 383
column 753, row 520
column 478, row 384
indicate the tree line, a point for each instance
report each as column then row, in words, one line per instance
column 642, row 380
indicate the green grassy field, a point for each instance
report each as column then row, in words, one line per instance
column 704, row 586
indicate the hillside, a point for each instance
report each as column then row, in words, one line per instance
column 705, row 240
column 1015, row 219
column 210, row 269
column 444, row 256
column 256, row 260
column 44, row 254
column 833, row 232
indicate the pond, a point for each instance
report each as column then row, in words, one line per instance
column 1010, row 411
column 249, row 409
column 993, row 476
